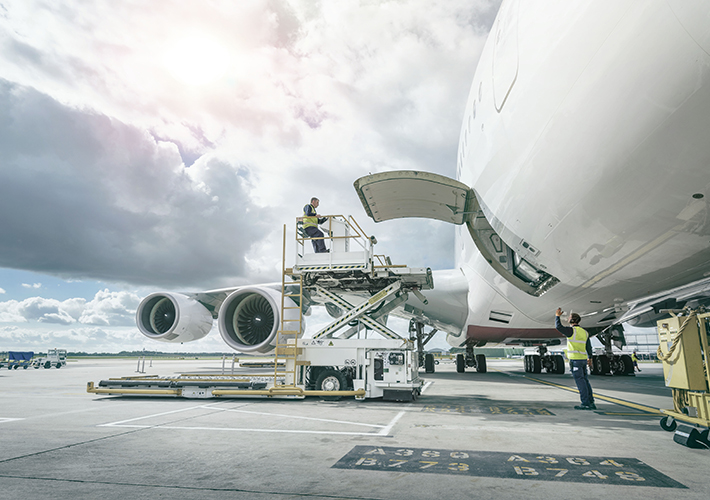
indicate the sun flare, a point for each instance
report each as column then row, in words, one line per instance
column 197, row 60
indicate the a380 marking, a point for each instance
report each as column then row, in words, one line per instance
column 604, row 470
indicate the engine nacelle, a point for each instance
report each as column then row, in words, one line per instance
column 173, row 317
column 249, row 319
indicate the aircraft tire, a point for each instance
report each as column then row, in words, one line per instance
column 602, row 365
column 460, row 363
column 429, row 363
column 593, row 369
column 628, row 364
column 481, row 363
column 559, row 365
column 535, row 364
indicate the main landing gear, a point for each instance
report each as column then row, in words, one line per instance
column 471, row 360
column 550, row 362
column 610, row 363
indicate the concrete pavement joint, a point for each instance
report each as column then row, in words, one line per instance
column 188, row 488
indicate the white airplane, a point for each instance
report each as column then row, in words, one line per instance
column 582, row 178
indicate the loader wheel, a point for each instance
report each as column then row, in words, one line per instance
column 668, row 424
column 48, row 364
column 330, row 380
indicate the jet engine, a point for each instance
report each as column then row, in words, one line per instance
column 249, row 319
column 173, row 317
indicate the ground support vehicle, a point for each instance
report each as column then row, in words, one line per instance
column 359, row 290
column 17, row 359
column 54, row 357
column 685, row 355
column 363, row 368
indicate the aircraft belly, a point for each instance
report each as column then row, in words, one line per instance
column 500, row 335
column 606, row 172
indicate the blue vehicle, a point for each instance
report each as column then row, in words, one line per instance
column 16, row 359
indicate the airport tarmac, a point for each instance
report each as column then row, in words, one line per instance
column 503, row 434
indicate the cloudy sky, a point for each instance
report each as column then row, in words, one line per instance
column 163, row 145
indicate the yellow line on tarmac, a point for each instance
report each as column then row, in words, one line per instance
column 628, row 404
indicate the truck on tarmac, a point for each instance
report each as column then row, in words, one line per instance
column 54, row 357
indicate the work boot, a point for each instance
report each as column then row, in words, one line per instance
column 582, row 407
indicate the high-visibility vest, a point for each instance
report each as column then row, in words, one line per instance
column 577, row 344
column 309, row 221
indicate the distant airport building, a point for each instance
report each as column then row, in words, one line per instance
column 642, row 340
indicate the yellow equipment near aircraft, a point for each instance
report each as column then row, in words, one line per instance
column 684, row 352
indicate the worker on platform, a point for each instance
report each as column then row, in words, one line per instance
column 635, row 360
column 579, row 353
column 311, row 219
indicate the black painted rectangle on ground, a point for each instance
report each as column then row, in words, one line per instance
column 577, row 469
column 488, row 410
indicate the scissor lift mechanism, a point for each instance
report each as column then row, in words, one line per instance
column 340, row 359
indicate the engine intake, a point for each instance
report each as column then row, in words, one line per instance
column 173, row 317
column 249, row 319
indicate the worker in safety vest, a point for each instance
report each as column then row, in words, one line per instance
column 311, row 219
column 579, row 353
column 635, row 361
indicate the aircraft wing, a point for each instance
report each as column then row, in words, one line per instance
column 646, row 311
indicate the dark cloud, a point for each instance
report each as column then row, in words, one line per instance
column 88, row 196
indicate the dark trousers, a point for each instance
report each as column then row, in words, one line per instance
column 579, row 372
column 314, row 232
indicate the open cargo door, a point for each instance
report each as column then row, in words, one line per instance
column 408, row 193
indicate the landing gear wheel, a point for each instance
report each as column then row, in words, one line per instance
column 535, row 364
column 526, row 363
column 668, row 424
column 481, row 363
column 602, row 365
column 429, row 363
column 593, row 370
column 559, row 362
column 331, row 380
column 460, row 363
column 628, row 364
